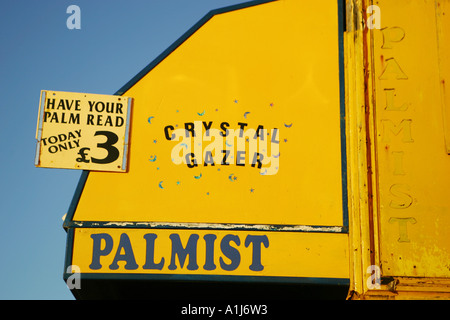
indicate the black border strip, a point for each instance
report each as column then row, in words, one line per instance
column 208, row 226
column 212, row 278
column 341, row 30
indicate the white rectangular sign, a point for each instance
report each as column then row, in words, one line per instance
column 82, row 131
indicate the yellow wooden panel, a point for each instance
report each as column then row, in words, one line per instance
column 207, row 252
column 413, row 165
column 274, row 66
column 443, row 35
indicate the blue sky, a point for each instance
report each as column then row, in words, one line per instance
column 38, row 52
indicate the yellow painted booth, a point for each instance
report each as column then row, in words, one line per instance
column 278, row 149
column 236, row 170
column 400, row 186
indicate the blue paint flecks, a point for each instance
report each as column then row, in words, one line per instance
column 198, row 177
